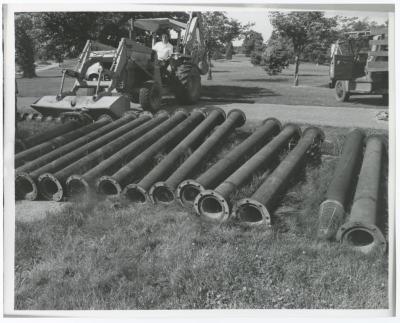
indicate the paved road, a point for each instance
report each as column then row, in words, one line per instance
column 316, row 115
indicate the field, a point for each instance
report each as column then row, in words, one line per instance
column 108, row 254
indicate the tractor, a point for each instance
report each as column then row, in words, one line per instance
column 359, row 64
column 115, row 77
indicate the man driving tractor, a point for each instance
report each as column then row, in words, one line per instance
column 164, row 51
column 163, row 48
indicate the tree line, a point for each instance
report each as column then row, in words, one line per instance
column 59, row 35
column 299, row 36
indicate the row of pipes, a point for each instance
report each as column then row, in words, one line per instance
column 146, row 158
column 358, row 169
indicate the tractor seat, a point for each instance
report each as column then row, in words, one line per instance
column 72, row 73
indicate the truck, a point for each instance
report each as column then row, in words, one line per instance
column 359, row 64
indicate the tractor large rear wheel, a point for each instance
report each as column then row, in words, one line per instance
column 150, row 96
column 188, row 84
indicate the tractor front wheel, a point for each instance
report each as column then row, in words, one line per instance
column 340, row 90
column 150, row 96
column 188, row 84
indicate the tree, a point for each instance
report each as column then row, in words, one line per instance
column 219, row 30
column 65, row 33
column 24, row 46
column 253, row 41
column 229, row 51
column 304, row 29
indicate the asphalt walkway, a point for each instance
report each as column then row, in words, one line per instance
column 314, row 115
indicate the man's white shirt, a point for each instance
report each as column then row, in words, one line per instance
column 163, row 50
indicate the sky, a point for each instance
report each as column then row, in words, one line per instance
column 262, row 25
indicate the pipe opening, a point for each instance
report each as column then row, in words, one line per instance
column 189, row 194
column 23, row 187
column 163, row 194
column 249, row 213
column 76, row 188
column 108, row 188
column 210, row 207
column 49, row 187
column 135, row 195
column 359, row 238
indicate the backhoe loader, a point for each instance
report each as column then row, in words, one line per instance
column 115, row 77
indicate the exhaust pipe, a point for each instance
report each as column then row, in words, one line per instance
column 254, row 210
column 113, row 185
column 184, row 148
column 54, row 191
column 332, row 210
column 52, row 144
column 213, row 205
column 64, row 155
column 164, row 192
column 189, row 189
column 23, row 144
column 79, row 185
column 360, row 231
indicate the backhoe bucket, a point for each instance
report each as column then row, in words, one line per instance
column 115, row 106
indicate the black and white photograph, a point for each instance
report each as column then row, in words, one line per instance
column 188, row 157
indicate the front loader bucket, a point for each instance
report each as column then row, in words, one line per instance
column 114, row 106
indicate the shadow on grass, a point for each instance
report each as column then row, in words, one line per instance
column 236, row 92
column 280, row 79
column 220, row 71
column 375, row 101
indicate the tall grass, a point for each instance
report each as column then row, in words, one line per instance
column 113, row 255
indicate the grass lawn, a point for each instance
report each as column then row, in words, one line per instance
column 113, row 255
column 239, row 79
column 235, row 79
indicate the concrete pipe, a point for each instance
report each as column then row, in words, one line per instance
column 164, row 192
column 172, row 160
column 189, row 189
column 48, row 134
column 214, row 205
column 360, row 231
column 52, row 186
column 63, row 150
column 254, row 210
column 59, row 141
column 61, row 157
column 113, row 185
column 79, row 185
column 332, row 210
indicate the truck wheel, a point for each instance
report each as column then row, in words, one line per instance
column 150, row 96
column 188, row 84
column 332, row 84
column 340, row 90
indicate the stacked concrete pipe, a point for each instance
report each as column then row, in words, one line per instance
column 80, row 185
column 114, row 184
column 254, row 210
column 52, row 185
column 332, row 210
column 164, row 191
column 47, row 146
column 189, row 189
column 360, row 231
column 139, row 192
column 26, row 175
column 214, row 205
column 22, row 144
